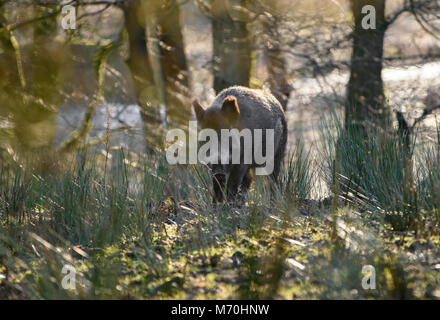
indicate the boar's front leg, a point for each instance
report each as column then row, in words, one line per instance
column 218, row 181
column 235, row 180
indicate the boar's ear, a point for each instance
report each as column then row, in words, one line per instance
column 198, row 109
column 230, row 108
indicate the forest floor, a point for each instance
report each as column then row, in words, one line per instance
column 144, row 230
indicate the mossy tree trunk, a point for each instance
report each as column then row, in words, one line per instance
column 158, row 63
column 232, row 49
column 31, row 83
column 365, row 93
column 275, row 60
column 173, row 60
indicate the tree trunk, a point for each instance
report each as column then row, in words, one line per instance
column 232, row 51
column 137, row 59
column 365, row 93
column 275, row 60
column 173, row 61
column 158, row 64
column 141, row 71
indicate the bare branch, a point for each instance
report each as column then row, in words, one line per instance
column 56, row 12
column 426, row 112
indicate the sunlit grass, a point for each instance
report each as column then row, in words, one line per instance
column 137, row 228
column 375, row 173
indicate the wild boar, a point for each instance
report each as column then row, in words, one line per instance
column 245, row 110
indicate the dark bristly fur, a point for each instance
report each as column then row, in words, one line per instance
column 243, row 108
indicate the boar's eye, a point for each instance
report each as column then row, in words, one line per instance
column 230, row 109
